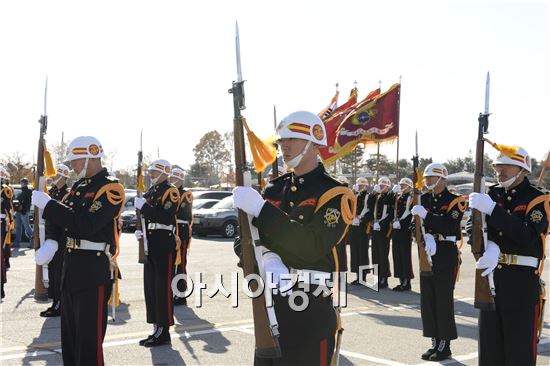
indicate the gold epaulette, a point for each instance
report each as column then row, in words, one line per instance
column 8, row 191
column 115, row 195
column 461, row 201
column 173, row 193
column 348, row 203
column 187, row 197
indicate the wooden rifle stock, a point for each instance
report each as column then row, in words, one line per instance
column 40, row 292
column 483, row 299
column 266, row 344
column 141, row 248
column 424, row 261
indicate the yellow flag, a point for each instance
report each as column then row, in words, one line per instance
column 50, row 169
column 263, row 152
column 141, row 184
column 505, row 149
column 419, row 179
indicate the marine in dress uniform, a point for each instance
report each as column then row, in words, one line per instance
column 86, row 222
column 379, row 215
column 6, row 215
column 517, row 215
column 358, row 233
column 301, row 218
column 158, row 206
column 441, row 212
column 58, row 191
column 401, row 236
column 184, row 219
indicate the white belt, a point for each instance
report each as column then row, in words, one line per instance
column 157, row 226
column 445, row 238
column 312, row 277
column 182, row 221
column 518, row 260
column 87, row 245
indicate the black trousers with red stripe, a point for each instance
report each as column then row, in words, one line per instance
column 508, row 335
column 157, row 278
column 306, row 337
column 183, row 230
column 359, row 248
column 83, row 325
column 401, row 251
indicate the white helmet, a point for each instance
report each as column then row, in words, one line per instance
column 436, row 170
column 84, row 147
column 62, row 170
column 362, row 181
column 178, row 173
column 406, row 181
column 4, row 174
column 162, row 166
column 519, row 158
column 302, row 125
column 384, row 181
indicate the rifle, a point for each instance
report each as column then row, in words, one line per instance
column 265, row 329
column 140, row 221
column 39, row 229
column 484, row 287
column 275, row 165
column 425, row 261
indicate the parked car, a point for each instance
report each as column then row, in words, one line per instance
column 220, row 219
column 129, row 221
column 218, row 195
column 204, row 203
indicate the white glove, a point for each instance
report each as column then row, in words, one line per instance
column 396, row 188
column 419, row 210
column 248, row 200
column 396, row 225
column 138, row 234
column 376, row 226
column 489, row 260
column 139, row 202
column 40, row 199
column 377, row 188
column 482, row 202
column 356, row 221
column 274, row 264
column 45, row 253
column 431, row 246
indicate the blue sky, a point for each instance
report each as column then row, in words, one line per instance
column 117, row 67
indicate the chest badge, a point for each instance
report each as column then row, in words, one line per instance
column 332, row 215
column 455, row 214
column 536, row 216
column 95, row 206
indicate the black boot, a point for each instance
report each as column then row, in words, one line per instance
column 383, row 283
column 399, row 287
column 406, row 286
column 160, row 337
column 442, row 352
column 54, row 311
column 180, row 301
column 426, row 355
column 142, row 341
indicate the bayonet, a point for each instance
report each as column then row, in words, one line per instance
column 238, row 53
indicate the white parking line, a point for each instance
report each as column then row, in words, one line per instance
column 377, row 360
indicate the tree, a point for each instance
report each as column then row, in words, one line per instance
column 18, row 168
column 212, row 154
column 353, row 162
column 387, row 167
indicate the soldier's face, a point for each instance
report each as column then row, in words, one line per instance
column 404, row 187
column 291, row 147
column 506, row 171
column 77, row 165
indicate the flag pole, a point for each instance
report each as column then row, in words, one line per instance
column 398, row 121
column 377, row 161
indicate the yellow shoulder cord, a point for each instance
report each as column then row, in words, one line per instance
column 174, row 196
column 115, row 196
column 462, row 202
column 348, row 207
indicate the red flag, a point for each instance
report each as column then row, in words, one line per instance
column 331, row 126
column 372, row 121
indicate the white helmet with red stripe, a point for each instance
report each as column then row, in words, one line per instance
column 161, row 166
column 178, row 173
column 519, row 158
column 4, row 174
column 302, row 125
column 436, row 170
column 85, row 147
column 62, row 170
column 406, row 181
